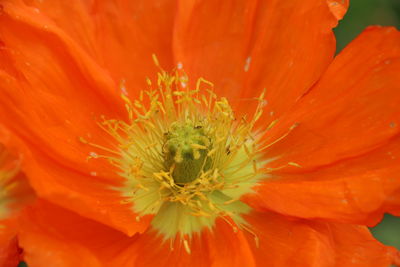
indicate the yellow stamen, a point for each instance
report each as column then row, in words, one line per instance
column 185, row 158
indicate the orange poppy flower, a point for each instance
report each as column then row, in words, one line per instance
column 280, row 155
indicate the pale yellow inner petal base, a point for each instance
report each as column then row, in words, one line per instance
column 186, row 159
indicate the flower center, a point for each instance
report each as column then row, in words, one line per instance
column 185, row 151
column 185, row 157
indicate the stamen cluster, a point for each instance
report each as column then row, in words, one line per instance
column 185, row 157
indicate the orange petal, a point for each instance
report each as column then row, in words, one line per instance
column 89, row 196
column 353, row 109
column 120, row 35
column 287, row 242
column 227, row 248
column 358, row 190
column 338, row 7
column 53, row 235
column 256, row 45
column 9, row 253
column 393, row 203
column 52, row 92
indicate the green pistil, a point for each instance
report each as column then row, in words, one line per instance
column 185, row 150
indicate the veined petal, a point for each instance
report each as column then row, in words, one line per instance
column 52, row 234
column 289, row 242
column 9, row 253
column 54, row 96
column 255, row 45
column 89, row 196
column 338, row 7
column 358, row 190
column 71, row 240
column 132, row 30
column 353, row 109
column 52, row 92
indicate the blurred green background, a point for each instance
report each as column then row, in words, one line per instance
column 366, row 12
column 361, row 14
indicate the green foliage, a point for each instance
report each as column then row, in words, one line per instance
column 363, row 13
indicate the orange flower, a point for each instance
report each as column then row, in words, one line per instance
column 282, row 159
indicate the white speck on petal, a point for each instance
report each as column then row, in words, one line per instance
column 180, row 65
column 122, row 87
column 390, row 154
column 93, row 173
column 247, row 64
column 93, row 154
column 264, row 102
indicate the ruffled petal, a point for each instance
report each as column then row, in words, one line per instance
column 89, row 196
column 359, row 190
column 53, row 95
column 353, row 109
column 53, row 235
column 119, row 35
column 9, row 253
column 52, row 92
column 287, row 242
column 255, row 45
column 50, row 234
column 338, row 7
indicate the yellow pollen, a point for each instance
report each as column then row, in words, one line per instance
column 185, row 157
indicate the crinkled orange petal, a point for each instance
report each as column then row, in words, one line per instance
column 51, row 235
column 227, row 248
column 358, row 190
column 393, row 203
column 52, row 92
column 120, row 35
column 53, row 95
column 300, row 243
column 89, row 196
column 219, row 248
column 54, row 235
column 9, row 253
column 246, row 46
column 353, row 109
column 338, row 7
